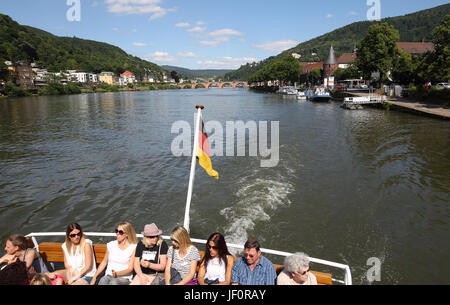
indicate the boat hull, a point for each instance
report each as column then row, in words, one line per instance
column 321, row 98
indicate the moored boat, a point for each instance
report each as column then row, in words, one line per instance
column 320, row 94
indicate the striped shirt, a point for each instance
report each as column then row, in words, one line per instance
column 183, row 265
column 263, row 274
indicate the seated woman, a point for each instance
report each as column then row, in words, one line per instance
column 21, row 248
column 150, row 257
column 119, row 258
column 296, row 271
column 182, row 257
column 47, row 279
column 79, row 259
column 216, row 265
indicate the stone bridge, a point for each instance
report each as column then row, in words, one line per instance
column 221, row 85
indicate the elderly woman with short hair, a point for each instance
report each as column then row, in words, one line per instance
column 296, row 271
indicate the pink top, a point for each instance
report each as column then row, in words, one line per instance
column 57, row 277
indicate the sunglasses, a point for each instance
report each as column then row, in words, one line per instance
column 151, row 237
column 306, row 271
column 120, row 232
column 76, row 234
column 174, row 240
column 213, row 247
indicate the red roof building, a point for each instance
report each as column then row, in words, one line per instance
column 416, row 48
column 127, row 74
column 308, row 66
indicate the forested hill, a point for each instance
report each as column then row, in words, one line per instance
column 205, row 73
column 55, row 53
column 412, row 28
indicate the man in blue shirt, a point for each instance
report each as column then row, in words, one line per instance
column 253, row 268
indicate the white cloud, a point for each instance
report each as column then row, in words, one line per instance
column 215, row 38
column 128, row 7
column 200, row 22
column 277, row 46
column 139, row 44
column 330, row 16
column 197, row 29
column 226, row 62
column 189, row 55
column 182, row 25
column 209, row 43
column 353, row 13
column 224, row 33
column 161, row 57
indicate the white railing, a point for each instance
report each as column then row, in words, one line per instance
column 347, row 278
column 365, row 100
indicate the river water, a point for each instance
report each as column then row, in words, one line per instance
column 349, row 185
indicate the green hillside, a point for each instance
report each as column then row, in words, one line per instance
column 412, row 27
column 208, row 73
column 55, row 53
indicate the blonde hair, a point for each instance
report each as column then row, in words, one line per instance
column 128, row 228
column 146, row 241
column 68, row 241
column 40, row 279
column 181, row 235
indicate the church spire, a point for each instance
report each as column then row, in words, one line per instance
column 331, row 58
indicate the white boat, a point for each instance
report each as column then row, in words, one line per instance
column 53, row 255
column 287, row 91
column 301, row 95
column 320, row 94
column 53, row 252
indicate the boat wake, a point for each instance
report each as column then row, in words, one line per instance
column 257, row 199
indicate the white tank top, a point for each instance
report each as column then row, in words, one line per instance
column 78, row 261
column 118, row 259
column 215, row 270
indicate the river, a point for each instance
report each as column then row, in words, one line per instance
column 349, row 185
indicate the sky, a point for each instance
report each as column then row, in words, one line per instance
column 202, row 34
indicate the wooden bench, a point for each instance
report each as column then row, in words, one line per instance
column 52, row 252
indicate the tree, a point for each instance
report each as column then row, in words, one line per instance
column 378, row 51
column 404, row 68
column 286, row 69
column 175, row 76
column 435, row 66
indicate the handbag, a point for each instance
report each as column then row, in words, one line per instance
column 175, row 276
column 159, row 277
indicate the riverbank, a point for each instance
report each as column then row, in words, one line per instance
column 412, row 106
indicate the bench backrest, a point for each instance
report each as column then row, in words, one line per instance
column 52, row 252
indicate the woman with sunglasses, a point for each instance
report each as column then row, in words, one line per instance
column 151, row 256
column 217, row 263
column 183, row 257
column 79, row 259
column 119, row 257
column 296, row 271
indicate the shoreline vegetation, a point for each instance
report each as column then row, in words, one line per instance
column 12, row 91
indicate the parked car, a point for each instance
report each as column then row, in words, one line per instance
column 443, row 85
column 362, row 86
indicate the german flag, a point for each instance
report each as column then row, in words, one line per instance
column 203, row 154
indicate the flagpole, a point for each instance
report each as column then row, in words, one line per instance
column 193, row 163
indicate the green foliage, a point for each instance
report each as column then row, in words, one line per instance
column 65, row 53
column 411, row 27
column 435, row 66
column 286, row 69
column 378, row 51
column 351, row 72
column 11, row 90
column 404, row 68
column 434, row 95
